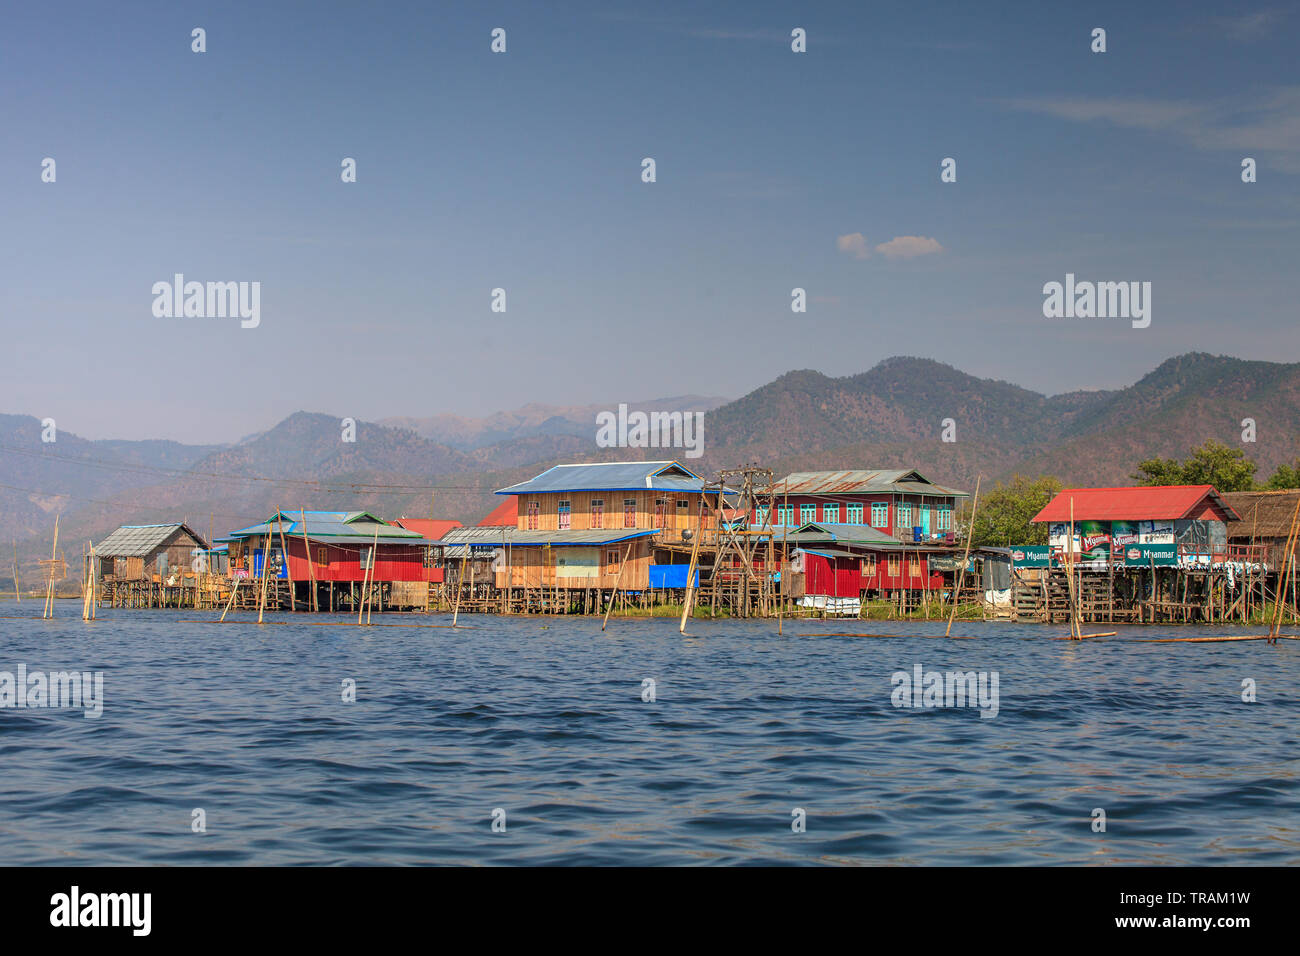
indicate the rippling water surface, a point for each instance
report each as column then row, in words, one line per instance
column 544, row 719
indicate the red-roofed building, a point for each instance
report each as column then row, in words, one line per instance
column 1184, row 524
column 504, row 515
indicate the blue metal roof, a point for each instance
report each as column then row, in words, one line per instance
column 611, row 476
column 328, row 524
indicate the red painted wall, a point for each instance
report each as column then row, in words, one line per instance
column 843, row 577
column 397, row 562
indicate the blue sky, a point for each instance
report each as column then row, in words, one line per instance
column 522, row 170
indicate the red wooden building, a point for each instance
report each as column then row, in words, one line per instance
column 333, row 548
column 901, row 504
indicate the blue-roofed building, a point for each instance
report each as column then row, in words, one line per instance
column 579, row 524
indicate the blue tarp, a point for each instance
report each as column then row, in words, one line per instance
column 671, row 575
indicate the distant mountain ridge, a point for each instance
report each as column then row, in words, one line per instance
column 889, row 416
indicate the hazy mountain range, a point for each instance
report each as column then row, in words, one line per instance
column 890, row 416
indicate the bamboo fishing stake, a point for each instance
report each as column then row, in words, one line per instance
column 17, row 597
column 460, row 581
column 266, row 563
column 785, row 559
column 692, row 568
column 961, row 575
column 231, row 602
column 49, row 585
column 369, row 579
column 284, row 550
column 1288, row 565
column 1075, row 629
column 618, row 581
column 313, row 605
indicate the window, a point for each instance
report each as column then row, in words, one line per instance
column 893, row 566
column 945, row 519
column 831, row 514
column 914, row 566
column 683, row 508
column 629, row 512
column 869, row 566
column 807, row 513
column 367, row 558
column 564, row 511
column 879, row 514
column 430, row 558
column 611, row 561
column 854, row 514
column 533, row 508
column 323, row 557
column 905, row 516
column 661, row 509
column 598, row 512
column 785, row 514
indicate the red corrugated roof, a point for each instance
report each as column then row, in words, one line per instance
column 505, row 514
column 1136, row 503
column 431, row 528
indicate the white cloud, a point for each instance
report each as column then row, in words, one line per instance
column 854, row 244
column 908, row 247
column 1265, row 123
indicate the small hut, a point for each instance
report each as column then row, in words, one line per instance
column 136, row 552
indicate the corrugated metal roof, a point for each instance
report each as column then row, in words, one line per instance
column 327, row 525
column 841, row 533
column 1133, row 503
column 458, row 540
column 897, row 481
column 138, row 540
column 611, row 476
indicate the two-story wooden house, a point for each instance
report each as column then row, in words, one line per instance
column 904, row 505
column 577, row 525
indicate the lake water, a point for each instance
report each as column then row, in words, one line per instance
column 544, row 719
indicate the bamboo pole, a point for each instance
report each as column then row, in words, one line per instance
column 785, row 559
column 1073, row 590
column 1288, row 563
column 313, row 604
column 961, row 575
column 460, row 580
column 618, row 581
column 284, row 549
column 49, row 585
column 370, row 576
column 266, row 563
column 231, row 602
column 17, row 597
column 692, row 567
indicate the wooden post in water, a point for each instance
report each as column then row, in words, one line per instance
column 266, row 563
column 370, row 576
column 49, row 585
column 961, row 575
column 17, row 597
column 288, row 568
column 460, row 580
column 692, row 567
column 617, row 582
column 231, row 602
column 313, row 604
column 1288, row 564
